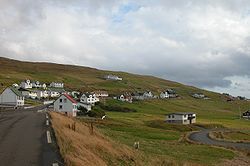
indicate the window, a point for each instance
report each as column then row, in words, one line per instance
column 169, row 116
column 60, row 107
column 172, row 116
column 60, row 100
column 65, row 100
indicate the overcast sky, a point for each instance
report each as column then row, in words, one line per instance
column 200, row 43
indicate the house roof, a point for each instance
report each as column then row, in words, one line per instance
column 14, row 90
column 181, row 113
column 70, row 98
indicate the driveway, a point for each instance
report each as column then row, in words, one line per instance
column 23, row 139
column 202, row 137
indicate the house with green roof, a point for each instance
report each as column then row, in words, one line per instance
column 12, row 97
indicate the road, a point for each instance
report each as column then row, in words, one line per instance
column 23, row 139
column 202, row 137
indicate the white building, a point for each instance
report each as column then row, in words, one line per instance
column 148, row 95
column 28, row 93
column 164, row 95
column 37, row 84
column 126, row 98
column 11, row 96
column 53, row 93
column 42, row 93
column 89, row 98
column 181, row 118
column 112, row 77
column 26, row 84
column 67, row 105
column 101, row 94
column 198, row 95
column 57, row 85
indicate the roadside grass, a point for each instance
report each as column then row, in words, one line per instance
column 81, row 148
column 234, row 136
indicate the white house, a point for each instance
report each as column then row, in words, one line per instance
column 56, row 84
column 181, row 118
column 66, row 104
column 15, row 85
column 148, row 95
column 42, row 93
column 28, row 93
column 164, row 95
column 37, row 84
column 101, row 94
column 126, row 98
column 198, row 95
column 26, row 84
column 112, row 77
column 11, row 96
column 171, row 93
column 53, row 93
column 89, row 98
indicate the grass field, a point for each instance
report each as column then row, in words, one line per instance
column 234, row 136
column 161, row 140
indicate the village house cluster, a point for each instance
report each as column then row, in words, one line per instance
column 17, row 93
column 69, row 103
column 147, row 95
column 38, row 90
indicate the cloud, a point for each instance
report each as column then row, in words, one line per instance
column 205, row 44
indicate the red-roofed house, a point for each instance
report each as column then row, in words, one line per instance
column 66, row 104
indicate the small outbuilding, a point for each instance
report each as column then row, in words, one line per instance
column 181, row 118
column 246, row 115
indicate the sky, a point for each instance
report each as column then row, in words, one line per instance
column 200, row 43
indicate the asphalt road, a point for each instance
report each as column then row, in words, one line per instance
column 23, row 139
column 202, row 137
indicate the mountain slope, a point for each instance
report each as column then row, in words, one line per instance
column 83, row 78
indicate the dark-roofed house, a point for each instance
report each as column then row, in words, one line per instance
column 170, row 93
column 246, row 115
column 11, row 96
column 181, row 118
column 66, row 104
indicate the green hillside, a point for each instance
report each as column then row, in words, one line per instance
column 84, row 78
column 160, row 142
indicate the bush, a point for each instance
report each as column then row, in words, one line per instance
column 82, row 111
column 98, row 113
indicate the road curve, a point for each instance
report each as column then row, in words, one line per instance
column 203, row 137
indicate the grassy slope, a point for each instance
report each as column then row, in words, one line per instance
column 157, row 140
column 161, row 140
column 82, row 77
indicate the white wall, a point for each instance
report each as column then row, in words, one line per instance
column 10, row 98
column 67, row 106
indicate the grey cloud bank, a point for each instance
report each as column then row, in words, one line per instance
column 201, row 43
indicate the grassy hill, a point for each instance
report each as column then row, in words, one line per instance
column 159, row 142
column 83, row 78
